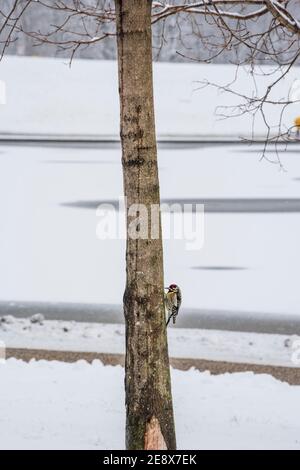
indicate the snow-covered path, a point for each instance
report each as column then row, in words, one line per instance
column 51, row 405
column 49, row 250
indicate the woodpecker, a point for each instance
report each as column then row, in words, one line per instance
column 172, row 302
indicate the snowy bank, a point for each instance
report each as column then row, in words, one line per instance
column 51, row 405
column 184, row 343
column 47, row 98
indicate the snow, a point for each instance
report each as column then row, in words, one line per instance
column 51, row 405
column 186, row 343
column 48, row 245
column 47, row 97
column 37, row 318
column 2, row 92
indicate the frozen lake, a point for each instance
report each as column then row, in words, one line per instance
column 249, row 264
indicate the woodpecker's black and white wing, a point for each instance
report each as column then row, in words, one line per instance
column 176, row 306
column 179, row 298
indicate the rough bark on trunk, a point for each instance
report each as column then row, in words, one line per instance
column 149, row 409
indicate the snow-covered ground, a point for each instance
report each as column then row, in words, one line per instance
column 50, row 405
column 238, row 347
column 49, row 250
column 47, row 97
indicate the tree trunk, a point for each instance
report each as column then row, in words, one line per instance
column 149, row 409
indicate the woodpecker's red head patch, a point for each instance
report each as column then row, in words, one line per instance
column 172, row 286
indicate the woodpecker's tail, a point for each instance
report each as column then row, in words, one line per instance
column 173, row 315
